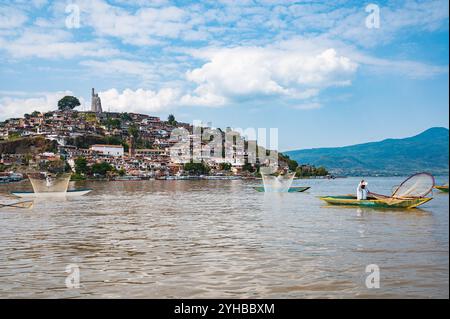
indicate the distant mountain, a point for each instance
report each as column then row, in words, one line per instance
column 427, row 151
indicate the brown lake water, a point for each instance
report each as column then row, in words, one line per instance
column 206, row 239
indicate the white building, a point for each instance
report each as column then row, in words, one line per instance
column 110, row 150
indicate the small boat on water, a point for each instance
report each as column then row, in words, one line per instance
column 409, row 194
column 442, row 188
column 374, row 202
column 25, row 204
column 47, row 186
column 69, row 193
column 293, row 189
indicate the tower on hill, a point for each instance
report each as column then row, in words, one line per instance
column 96, row 104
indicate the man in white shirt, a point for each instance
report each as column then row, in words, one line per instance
column 361, row 191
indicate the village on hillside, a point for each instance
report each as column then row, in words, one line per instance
column 98, row 144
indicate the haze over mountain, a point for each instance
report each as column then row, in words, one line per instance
column 427, row 151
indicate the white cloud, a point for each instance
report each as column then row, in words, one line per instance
column 397, row 18
column 367, row 63
column 55, row 44
column 143, row 27
column 18, row 106
column 202, row 97
column 141, row 100
column 11, row 18
column 246, row 72
column 407, row 68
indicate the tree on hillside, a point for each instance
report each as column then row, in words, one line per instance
column 291, row 163
column 196, row 168
column 225, row 166
column 101, row 168
column 68, row 103
column 81, row 165
column 171, row 119
column 133, row 130
column 126, row 117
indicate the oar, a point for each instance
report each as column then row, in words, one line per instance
column 27, row 204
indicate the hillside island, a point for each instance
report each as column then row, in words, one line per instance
column 117, row 146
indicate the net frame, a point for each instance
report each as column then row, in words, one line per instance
column 395, row 199
column 277, row 184
column 58, row 184
column 423, row 194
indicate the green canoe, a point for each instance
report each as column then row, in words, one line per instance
column 442, row 188
column 375, row 203
column 294, row 189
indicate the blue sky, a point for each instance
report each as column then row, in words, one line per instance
column 313, row 69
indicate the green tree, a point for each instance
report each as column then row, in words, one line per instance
column 113, row 123
column 196, row 168
column 291, row 163
column 248, row 168
column 171, row 119
column 35, row 114
column 81, row 165
column 133, row 130
column 101, row 168
column 321, row 171
column 307, row 171
column 68, row 103
column 225, row 166
column 126, row 117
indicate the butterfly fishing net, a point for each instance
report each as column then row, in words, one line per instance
column 277, row 184
column 415, row 186
column 46, row 184
column 418, row 185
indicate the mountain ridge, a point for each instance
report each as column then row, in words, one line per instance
column 426, row 151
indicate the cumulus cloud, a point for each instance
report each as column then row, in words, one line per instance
column 246, row 72
column 233, row 75
column 141, row 100
column 18, row 105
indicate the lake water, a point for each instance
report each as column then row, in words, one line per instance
column 205, row 239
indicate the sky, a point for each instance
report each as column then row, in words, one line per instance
column 324, row 73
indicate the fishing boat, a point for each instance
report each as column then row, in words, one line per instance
column 293, row 189
column 409, row 194
column 25, row 204
column 442, row 188
column 374, row 202
column 68, row 193
column 47, row 186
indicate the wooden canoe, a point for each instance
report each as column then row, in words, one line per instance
column 25, row 204
column 69, row 193
column 293, row 189
column 375, row 203
column 442, row 188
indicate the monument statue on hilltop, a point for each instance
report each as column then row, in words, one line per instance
column 96, row 104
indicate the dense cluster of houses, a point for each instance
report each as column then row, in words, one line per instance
column 137, row 144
